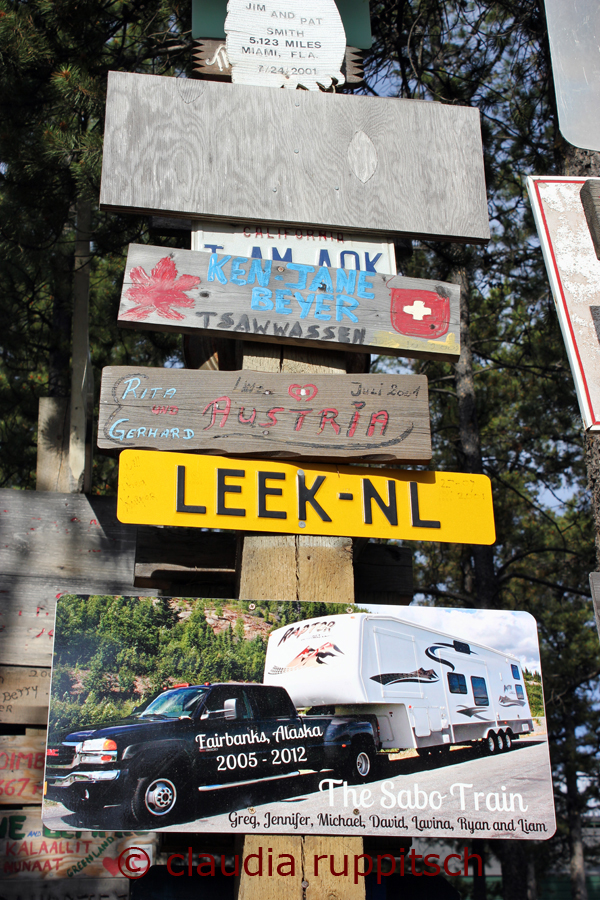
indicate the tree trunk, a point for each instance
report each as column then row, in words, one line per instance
column 577, row 863
column 469, row 438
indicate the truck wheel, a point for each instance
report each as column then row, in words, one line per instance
column 156, row 799
column 361, row 762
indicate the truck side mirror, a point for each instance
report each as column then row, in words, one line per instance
column 230, row 709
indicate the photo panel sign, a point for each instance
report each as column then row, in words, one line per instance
column 273, row 717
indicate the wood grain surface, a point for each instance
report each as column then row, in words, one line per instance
column 367, row 417
column 24, row 695
column 289, row 303
column 229, row 151
column 22, row 767
column 52, row 543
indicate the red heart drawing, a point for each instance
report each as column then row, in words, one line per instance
column 304, row 392
column 111, row 865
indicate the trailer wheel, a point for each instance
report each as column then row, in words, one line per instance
column 508, row 741
column 500, row 741
column 490, row 743
column 361, row 762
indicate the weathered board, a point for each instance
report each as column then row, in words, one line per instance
column 287, row 43
column 370, row 417
column 574, row 274
column 30, row 850
column 326, row 160
column 24, row 695
column 22, row 767
column 317, row 247
column 52, row 543
column 211, row 61
column 51, row 535
column 289, row 303
column 159, row 488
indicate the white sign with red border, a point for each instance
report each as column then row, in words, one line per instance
column 574, row 273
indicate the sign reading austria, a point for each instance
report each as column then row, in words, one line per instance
column 292, row 303
column 158, row 488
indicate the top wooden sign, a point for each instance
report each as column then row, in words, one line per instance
column 184, row 147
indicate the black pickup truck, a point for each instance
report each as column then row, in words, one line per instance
column 196, row 738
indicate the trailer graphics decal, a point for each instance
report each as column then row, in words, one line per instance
column 396, row 677
column 197, row 715
column 310, row 656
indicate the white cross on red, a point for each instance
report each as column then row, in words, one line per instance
column 418, row 310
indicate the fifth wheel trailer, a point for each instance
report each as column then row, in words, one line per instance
column 428, row 689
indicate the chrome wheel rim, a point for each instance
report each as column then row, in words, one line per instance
column 160, row 796
column 363, row 764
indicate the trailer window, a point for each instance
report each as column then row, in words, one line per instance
column 520, row 692
column 457, row 683
column 480, row 693
column 515, row 673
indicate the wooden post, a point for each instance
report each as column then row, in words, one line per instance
column 307, row 569
column 82, row 383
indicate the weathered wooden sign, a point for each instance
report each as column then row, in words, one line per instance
column 22, row 767
column 28, row 849
column 158, row 488
column 574, row 274
column 356, row 163
column 371, row 417
column 291, row 303
column 287, row 43
column 24, row 694
column 315, row 246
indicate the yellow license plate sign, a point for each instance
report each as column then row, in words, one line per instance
column 158, row 488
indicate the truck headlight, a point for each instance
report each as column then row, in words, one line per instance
column 98, row 751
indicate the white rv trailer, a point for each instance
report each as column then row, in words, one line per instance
column 427, row 689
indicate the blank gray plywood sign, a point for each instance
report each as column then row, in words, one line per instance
column 179, row 146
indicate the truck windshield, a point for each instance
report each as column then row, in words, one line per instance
column 176, row 703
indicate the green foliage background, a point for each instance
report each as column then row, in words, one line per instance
column 111, row 653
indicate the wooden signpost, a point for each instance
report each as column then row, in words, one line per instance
column 157, row 488
column 287, row 43
column 368, row 417
column 291, row 303
column 325, row 161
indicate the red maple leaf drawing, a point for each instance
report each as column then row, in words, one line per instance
column 159, row 292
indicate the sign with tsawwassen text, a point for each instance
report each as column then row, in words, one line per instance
column 371, row 417
column 157, row 488
column 289, row 303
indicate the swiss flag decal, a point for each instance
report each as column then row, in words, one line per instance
column 424, row 314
